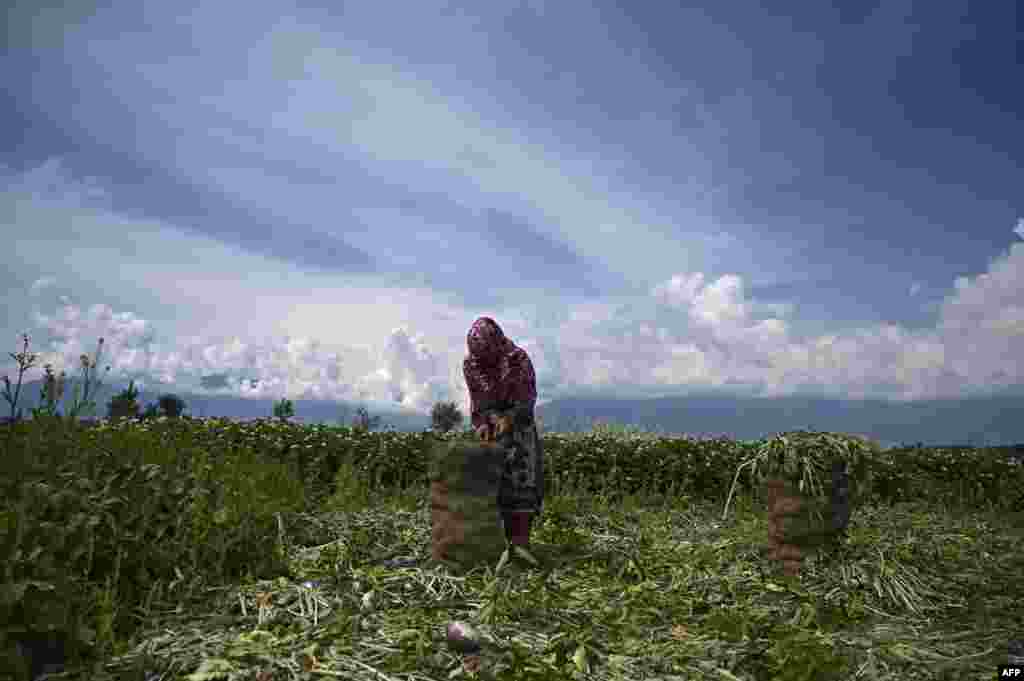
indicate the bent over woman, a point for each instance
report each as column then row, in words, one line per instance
column 499, row 376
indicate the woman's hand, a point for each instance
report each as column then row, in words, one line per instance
column 483, row 432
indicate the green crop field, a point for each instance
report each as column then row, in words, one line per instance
column 207, row 549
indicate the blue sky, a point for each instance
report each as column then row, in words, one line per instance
column 316, row 200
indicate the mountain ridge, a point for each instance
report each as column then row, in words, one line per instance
column 972, row 421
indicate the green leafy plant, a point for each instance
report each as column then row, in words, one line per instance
column 90, row 384
column 351, row 489
column 53, row 386
column 51, row 393
column 152, row 412
column 26, row 361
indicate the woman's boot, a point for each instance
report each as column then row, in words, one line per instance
column 517, row 527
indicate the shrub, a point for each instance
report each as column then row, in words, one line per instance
column 445, row 416
column 284, row 409
column 152, row 412
column 171, row 405
column 124, row 404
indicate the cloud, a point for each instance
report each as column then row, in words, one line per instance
column 40, row 284
column 411, row 375
column 690, row 334
column 52, row 182
column 350, row 150
column 719, row 342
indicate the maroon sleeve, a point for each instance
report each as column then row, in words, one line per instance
column 474, row 388
column 520, row 380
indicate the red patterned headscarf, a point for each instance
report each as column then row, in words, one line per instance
column 487, row 343
column 496, row 370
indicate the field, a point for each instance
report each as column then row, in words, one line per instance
column 249, row 577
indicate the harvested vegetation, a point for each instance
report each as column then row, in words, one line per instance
column 209, row 549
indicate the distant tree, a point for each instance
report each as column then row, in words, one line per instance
column 284, row 409
column 152, row 412
column 445, row 416
column 125, row 404
column 363, row 421
column 172, row 406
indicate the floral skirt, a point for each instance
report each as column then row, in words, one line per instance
column 522, row 483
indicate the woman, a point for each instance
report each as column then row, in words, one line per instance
column 499, row 376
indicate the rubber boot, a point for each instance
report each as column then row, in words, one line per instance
column 517, row 527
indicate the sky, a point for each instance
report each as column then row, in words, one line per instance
column 315, row 200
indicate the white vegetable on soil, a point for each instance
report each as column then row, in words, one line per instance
column 463, row 638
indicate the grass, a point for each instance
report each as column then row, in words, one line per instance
column 641, row 587
column 655, row 589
